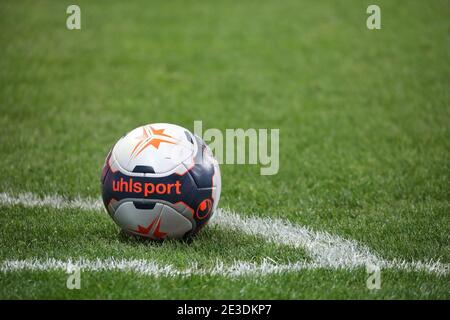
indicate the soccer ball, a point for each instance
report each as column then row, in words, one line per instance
column 161, row 181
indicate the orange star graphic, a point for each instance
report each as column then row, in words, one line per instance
column 156, row 233
column 152, row 138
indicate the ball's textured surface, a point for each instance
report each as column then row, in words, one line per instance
column 161, row 181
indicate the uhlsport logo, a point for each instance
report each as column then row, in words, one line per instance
column 145, row 188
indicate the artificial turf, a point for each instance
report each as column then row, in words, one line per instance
column 363, row 118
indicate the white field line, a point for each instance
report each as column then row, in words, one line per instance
column 156, row 269
column 54, row 201
column 153, row 268
column 326, row 250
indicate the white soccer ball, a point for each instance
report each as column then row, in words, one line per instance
column 161, row 181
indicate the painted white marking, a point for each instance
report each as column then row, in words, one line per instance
column 156, row 269
column 153, row 268
column 326, row 250
column 54, row 201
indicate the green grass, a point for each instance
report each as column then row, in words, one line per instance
column 363, row 118
column 306, row 285
column 60, row 235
